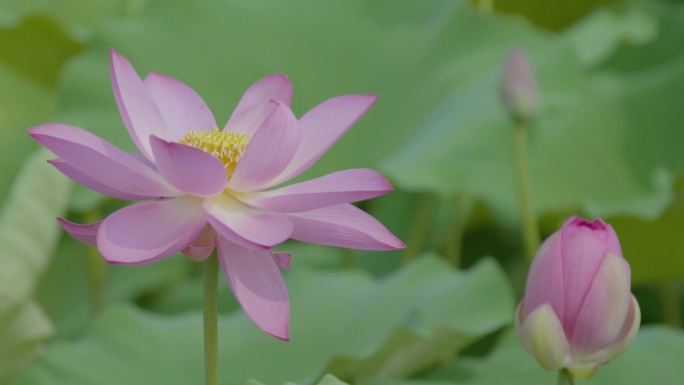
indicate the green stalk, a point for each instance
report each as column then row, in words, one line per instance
column 97, row 269
column 210, row 320
column 96, row 273
column 672, row 310
column 529, row 221
column 565, row 378
column 419, row 228
column 348, row 260
column 454, row 239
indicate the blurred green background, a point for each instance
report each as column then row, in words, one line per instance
column 607, row 142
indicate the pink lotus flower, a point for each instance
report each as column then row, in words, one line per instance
column 207, row 187
column 578, row 312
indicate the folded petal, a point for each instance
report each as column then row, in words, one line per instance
column 136, row 105
column 244, row 225
column 605, row 307
column 343, row 226
column 100, row 162
column 545, row 280
column 83, row 179
column 269, row 151
column 544, row 338
column 628, row 332
column 179, row 105
column 202, row 247
column 322, row 126
column 256, row 105
column 340, row 187
column 283, row 260
column 86, row 233
column 189, row 169
column 147, row 232
column 258, row 286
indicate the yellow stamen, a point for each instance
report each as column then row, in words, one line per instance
column 228, row 147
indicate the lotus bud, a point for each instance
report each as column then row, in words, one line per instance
column 578, row 312
column 519, row 91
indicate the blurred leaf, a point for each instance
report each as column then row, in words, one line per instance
column 328, row 379
column 28, row 234
column 337, row 48
column 32, row 53
column 654, row 358
column 653, row 247
column 651, row 79
column 551, row 14
column 79, row 16
column 582, row 145
column 22, row 104
column 28, row 229
column 64, row 291
column 667, row 46
column 342, row 322
column 457, row 133
column 37, row 48
column 599, row 35
column 23, row 329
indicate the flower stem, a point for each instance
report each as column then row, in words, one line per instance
column 96, row 273
column 97, row 269
column 454, row 239
column 672, row 310
column 210, row 320
column 565, row 378
column 419, row 227
column 530, row 230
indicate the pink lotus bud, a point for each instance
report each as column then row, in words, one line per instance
column 519, row 90
column 578, row 312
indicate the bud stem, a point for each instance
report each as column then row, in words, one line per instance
column 565, row 378
column 529, row 221
column 210, row 320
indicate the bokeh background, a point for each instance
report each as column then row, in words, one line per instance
column 607, row 142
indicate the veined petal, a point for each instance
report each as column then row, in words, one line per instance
column 256, row 105
column 343, row 226
column 545, row 339
column 269, row 151
column 189, row 169
column 244, row 225
column 321, row 127
column 340, row 187
column 585, row 250
column 179, row 105
column 258, row 286
column 147, row 232
column 283, row 260
column 101, row 162
column 81, row 178
column 136, row 105
column 545, row 281
column 605, row 307
column 86, row 233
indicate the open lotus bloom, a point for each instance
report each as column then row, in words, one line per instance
column 208, row 188
column 578, row 312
